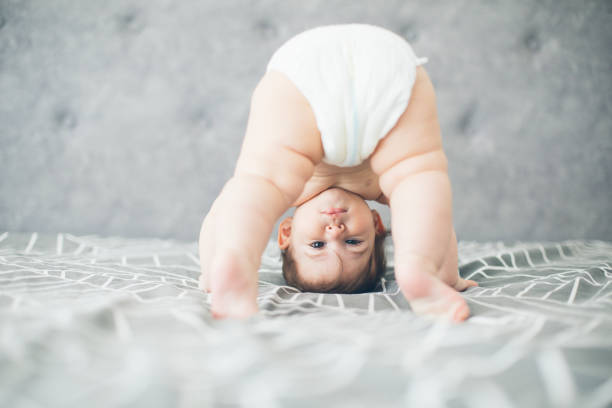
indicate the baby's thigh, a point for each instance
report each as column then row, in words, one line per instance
column 281, row 116
column 282, row 141
column 414, row 144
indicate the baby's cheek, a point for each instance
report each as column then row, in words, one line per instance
column 365, row 226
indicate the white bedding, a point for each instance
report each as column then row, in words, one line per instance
column 114, row 322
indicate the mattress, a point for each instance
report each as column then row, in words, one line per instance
column 116, row 322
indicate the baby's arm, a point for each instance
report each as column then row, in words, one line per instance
column 412, row 169
column 279, row 152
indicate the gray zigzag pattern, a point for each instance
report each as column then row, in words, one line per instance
column 114, row 322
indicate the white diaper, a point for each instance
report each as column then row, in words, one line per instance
column 357, row 78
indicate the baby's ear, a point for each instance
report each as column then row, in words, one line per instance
column 284, row 233
column 379, row 227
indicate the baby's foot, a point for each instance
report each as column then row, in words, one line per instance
column 430, row 296
column 203, row 282
column 463, row 284
column 233, row 287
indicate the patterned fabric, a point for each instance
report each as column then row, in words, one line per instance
column 110, row 322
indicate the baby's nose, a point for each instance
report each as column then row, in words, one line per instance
column 334, row 229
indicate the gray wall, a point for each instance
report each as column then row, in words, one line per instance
column 125, row 117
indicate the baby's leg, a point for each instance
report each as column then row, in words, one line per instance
column 412, row 169
column 449, row 272
column 279, row 152
column 421, row 268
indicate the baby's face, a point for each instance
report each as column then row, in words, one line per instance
column 331, row 237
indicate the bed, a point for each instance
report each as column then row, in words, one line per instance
column 118, row 322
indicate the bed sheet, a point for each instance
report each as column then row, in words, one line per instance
column 117, row 322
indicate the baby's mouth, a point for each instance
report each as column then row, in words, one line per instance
column 333, row 211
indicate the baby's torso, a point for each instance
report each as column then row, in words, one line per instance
column 373, row 72
column 359, row 179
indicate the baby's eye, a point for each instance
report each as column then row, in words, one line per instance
column 317, row 244
column 353, row 241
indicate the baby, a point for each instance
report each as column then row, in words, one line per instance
column 343, row 114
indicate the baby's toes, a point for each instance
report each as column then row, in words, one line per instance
column 452, row 308
column 203, row 283
column 463, row 284
column 459, row 312
column 233, row 287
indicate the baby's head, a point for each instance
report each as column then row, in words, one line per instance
column 333, row 243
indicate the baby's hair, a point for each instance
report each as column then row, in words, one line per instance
column 365, row 282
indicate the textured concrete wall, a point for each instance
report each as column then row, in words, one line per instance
column 125, row 117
